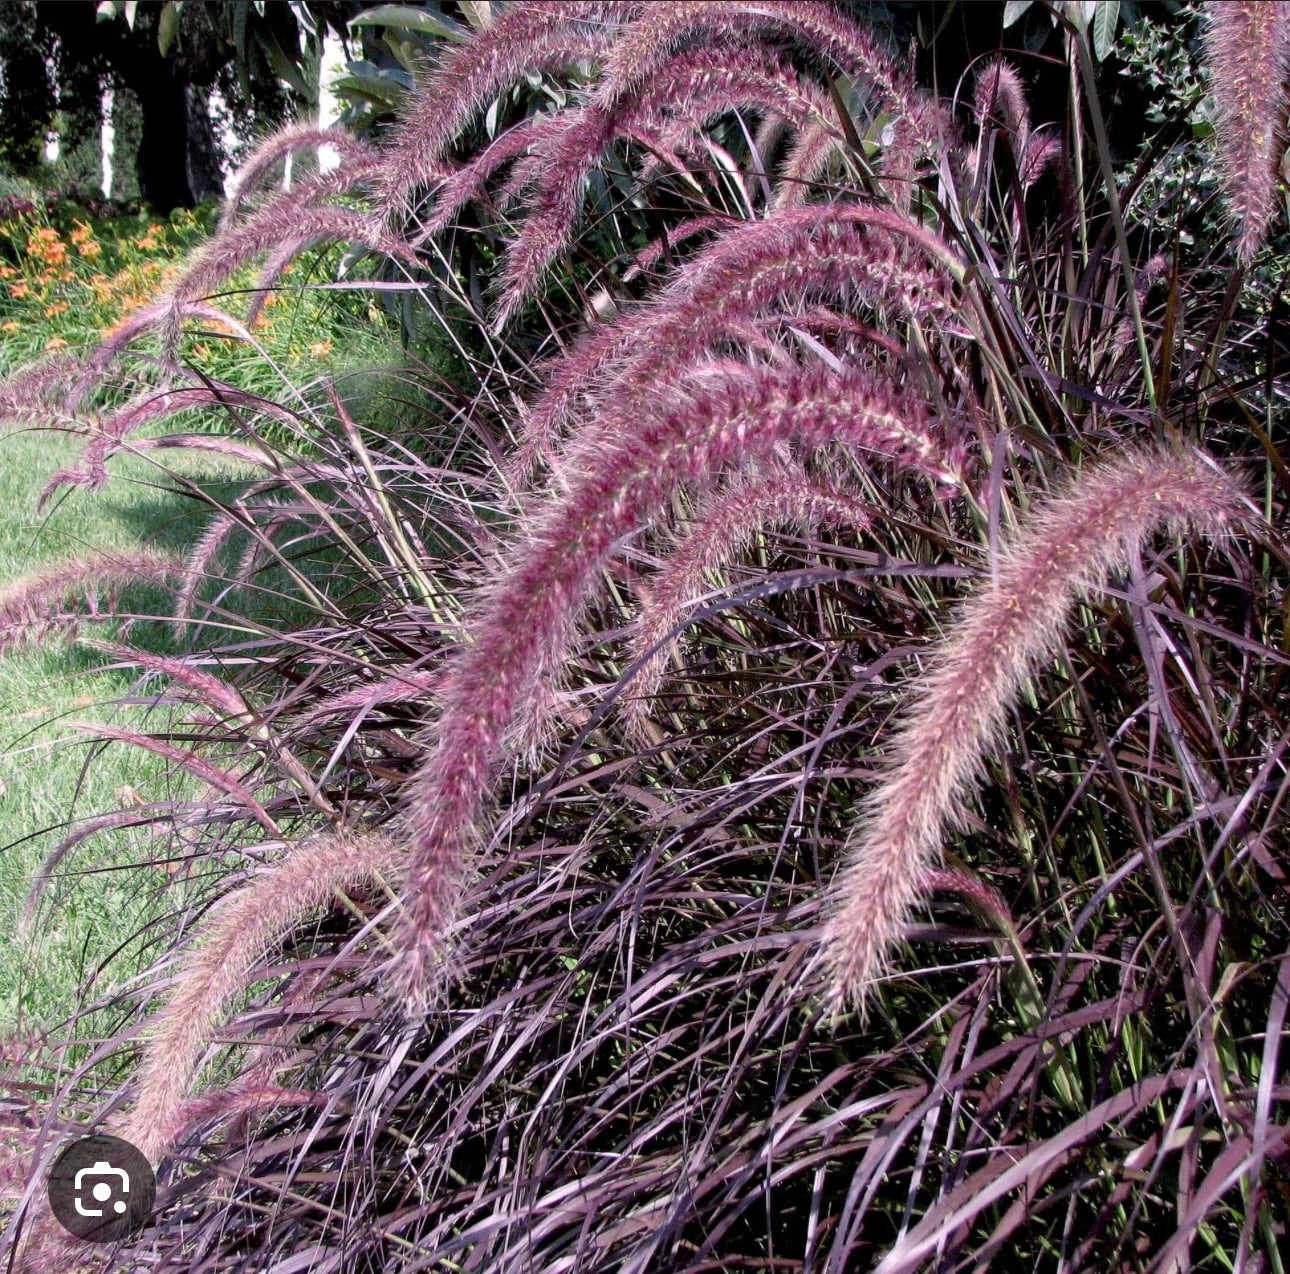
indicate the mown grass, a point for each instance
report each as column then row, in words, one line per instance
column 44, row 779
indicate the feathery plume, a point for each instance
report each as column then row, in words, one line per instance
column 36, row 395
column 268, row 230
column 817, row 25
column 467, row 182
column 1002, row 635
column 240, row 930
column 60, row 596
column 148, row 818
column 816, row 252
column 527, row 614
column 1248, row 47
column 999, row 101
column 701, row 84
column 648, row 257
column 203, row 687
column 190, row 762
column 1041, row 153
column 352, row 152
column 725, row 526
column 167, row 314
column 197, row 564
column 405, row 687
column 543, row 36
column 110, row 434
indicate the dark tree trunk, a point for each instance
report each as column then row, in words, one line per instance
column 163, row 144
column 205, row 174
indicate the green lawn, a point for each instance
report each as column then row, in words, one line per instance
column 44, row 779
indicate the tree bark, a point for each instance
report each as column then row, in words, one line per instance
column 205, row 174
column 163, row 144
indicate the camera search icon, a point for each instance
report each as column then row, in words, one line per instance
column 101, row 1189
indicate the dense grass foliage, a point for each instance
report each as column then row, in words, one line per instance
column 770, row 747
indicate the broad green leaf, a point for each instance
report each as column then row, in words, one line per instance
column 382, row 92
column 479, row 13
column 1106, row 21
column 404, row 50
column 405, row 18
column 167, row 27
column 1013, row 10
column 285, row 69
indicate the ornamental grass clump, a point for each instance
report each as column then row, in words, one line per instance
column 491, row 947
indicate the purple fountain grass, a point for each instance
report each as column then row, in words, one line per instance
column 166, row 313
column 352, row 152
column 999, row 101
column 39, row 603
column 960, row 705
column 525, row 617
column 236, row 935
column 1043, row 149
column 830, row 34
column 524, row 38
column 201, row 685
column 197, row 562
column 1248, row 48
column 35, row 395
column 701, row 84
column 149, row 821
column 467, row 183
column 793, row 256
column 200, row 768
column 212, row 444
column 268, row 230
column 405, row 687
column 111, row 433
column 648, row 258
column 727, row 523
column 224, row 699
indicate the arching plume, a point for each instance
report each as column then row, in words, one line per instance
column 1248, row 46
column 868, row 255
column 63, row 595
column 724, row 527
column 526, row 616
column 540, row 36
column 240, row 930
column 699, row 85
column 959, row 707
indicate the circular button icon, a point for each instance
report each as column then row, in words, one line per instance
column 101, row 1189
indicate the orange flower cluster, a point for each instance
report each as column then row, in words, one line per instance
column 61, row 290
column 46, row 246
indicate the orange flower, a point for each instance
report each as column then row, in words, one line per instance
column 11, row 326
column 89, row 249
column 19, row 290
column 320, row 349
column 147, row 243
column 55, row 343
column 7, row 271
column 81, row 233
column 58, row 307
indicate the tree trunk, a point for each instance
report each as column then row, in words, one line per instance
column 205, row 174
column 163, row 145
